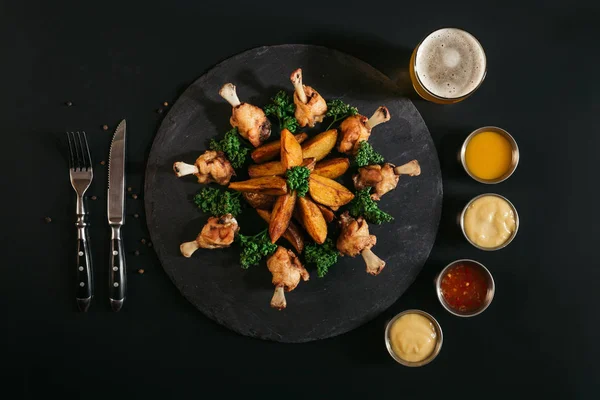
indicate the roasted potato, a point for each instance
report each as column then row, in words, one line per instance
column 267, row 169
column 328, row 192
column 319, row 146
column 273, row 185
column 309, row 163
column 272, row 168
column 333, row 168
column 312, row 219
column 290, row 150
column 328, row 214
column 281, row 215
column 270, row 150
column 259, row 200
column 292, row 234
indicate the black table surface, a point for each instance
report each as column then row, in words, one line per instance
column 116, row 60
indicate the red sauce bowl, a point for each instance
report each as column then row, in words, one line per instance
column 465, row 288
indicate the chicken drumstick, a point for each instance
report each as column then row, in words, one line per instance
column 357, row 128
column 310, row 106
column 355, row 238
column 216, row 234
column 251, row 121
column 383, row 178
column 212, row 166
column 287, row 271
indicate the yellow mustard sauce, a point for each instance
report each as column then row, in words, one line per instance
column 489, row 221
column 413, row 337
column 488, row 155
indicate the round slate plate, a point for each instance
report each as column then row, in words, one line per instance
column 347, row 297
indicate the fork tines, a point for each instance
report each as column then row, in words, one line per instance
column 79, row 151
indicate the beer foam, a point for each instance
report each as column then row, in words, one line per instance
column 450, row 63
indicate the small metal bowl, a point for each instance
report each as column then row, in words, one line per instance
column 438, row 344
column 461, row 222
column 515, row 154
column 488, row 297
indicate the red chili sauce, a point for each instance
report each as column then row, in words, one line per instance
column 464, row 287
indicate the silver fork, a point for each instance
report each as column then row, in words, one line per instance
column 81, row 173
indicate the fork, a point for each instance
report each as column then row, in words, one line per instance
column 81, row 174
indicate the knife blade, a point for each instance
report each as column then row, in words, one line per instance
column 116, row 212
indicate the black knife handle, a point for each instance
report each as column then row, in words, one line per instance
column 117, row 276
column 85, row 276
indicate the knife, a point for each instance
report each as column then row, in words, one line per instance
column 117, row 275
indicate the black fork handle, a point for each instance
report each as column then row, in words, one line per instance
column 85, row 276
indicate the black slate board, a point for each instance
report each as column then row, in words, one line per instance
column 347, row 297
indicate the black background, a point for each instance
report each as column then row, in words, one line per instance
column 115, row 60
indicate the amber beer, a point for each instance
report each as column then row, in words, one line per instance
column 447, row 66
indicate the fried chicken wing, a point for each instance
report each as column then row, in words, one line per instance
column 251, row 121
column 357, row 128
column 310, row 106
column 355, row 238
column 287, row 271
column 219, row 232
column 383, row 178
column 212, row 166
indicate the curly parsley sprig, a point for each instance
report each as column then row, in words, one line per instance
column 217, row 202
column 297, row 179
column 233, row 147
column 363, row 205
column 322, row 255
column 339, row 110
column 367, row 155
column 283, row 108
column 255, row 248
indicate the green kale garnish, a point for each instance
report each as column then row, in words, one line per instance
column 322, row 255
column 339, row 110
column 283, row 108
column 367, row 155
column 254, row 248
column 362, row 204
column 217, row 202
column 297, row 179
column 233, row 148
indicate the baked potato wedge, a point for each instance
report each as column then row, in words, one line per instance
column 259, row 201
column 328, row 192
column 319, row 146
column 327, row 212
column 292, row 234
column 271, row 150
column 333, row 168
column 269, row 168
column 273, row 185
column 312, row 219
column 290, row 150
column 281, row 215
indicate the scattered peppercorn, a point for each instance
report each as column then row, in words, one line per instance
column 129, row 189
column 48, row 220
column 143, row 241
column 134, row 196
column 137, row 252
column 94, row 198
column 105, row 127
column 166, row 104
column 149, row 244
column 69, row 103
column 102, row 162
column 141, row 271
column 136, row 215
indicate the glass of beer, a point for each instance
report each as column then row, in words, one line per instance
column 447, row 66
